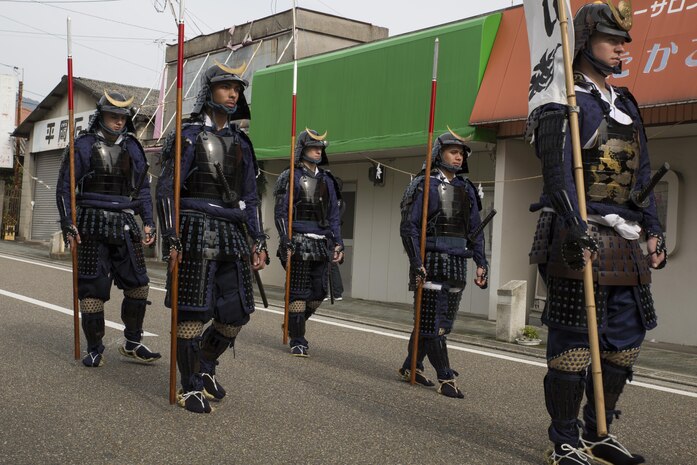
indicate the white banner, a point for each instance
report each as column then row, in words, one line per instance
column 52, row 134
column 547, row 82
column 9, row 85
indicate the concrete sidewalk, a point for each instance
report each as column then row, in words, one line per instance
column 658, row 361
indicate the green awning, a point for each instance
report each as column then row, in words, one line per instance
column 377, row 96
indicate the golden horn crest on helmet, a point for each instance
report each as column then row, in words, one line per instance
column 116, row 103
column 622, row 13
column 237, row 71
column 316, row 137
column 459, row 137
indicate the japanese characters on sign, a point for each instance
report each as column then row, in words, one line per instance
column 52, row 134
column 661, row 52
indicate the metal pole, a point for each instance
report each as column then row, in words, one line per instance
column 291, row 178
column 73, row 213
column 174, row 281
column 580, row 193
column 424, row 213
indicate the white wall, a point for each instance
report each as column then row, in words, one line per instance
column 517, row 186
column 673, row 286
column 8, row 114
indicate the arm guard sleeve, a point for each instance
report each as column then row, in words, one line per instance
column 410, row 226
column 551, row 144
column 333, row 213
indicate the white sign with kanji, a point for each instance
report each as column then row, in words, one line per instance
column 52, row 134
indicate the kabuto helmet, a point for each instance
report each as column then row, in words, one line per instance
column 216, row 74
column 311, row 138
column 602, row 17
column 444, row 140
column 116, row 103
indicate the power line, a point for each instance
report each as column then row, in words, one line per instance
column 191, row 13
column 34, row 93
column 82, row 45
column 60, row 1
column 145, row 39
column 40, row 2
column 328, row 6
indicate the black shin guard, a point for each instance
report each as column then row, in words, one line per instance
column 614, row 379
column 188, row 352
column 437, row 352
column 420, row 356
column 93, row 327
column 214, row 344
column 563, row 396
column 296, row 325
column 132, row 315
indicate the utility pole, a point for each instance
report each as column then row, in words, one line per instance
column 17, row 123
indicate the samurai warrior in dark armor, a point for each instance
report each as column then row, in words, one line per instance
column 615, row 167
column 316, row 232
column 113, row 185
column 453, row 212
column 218, row 220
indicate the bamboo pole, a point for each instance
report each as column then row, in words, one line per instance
column 580, row 193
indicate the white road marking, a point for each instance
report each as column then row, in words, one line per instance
column 35, row 262
column 322, row 320
column 485, row 353
column 56, row 308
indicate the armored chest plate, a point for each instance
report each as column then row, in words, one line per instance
column 453, row 218
column 313, row 197
column 610, row 167
column 217, row 170
column 110, row 170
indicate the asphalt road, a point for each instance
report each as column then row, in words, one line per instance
column 343, row 405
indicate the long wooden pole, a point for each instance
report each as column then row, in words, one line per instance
column 424, row 213
column 174, row 281
column 291, row 178
column 580, row 193
column 73, row 212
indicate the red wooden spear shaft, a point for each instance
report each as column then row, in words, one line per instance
column 291, row 178
column 73, row 213
column 291, row 189
column 424, row 214
column 174, row 282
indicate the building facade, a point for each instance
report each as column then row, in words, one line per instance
column 46, row 131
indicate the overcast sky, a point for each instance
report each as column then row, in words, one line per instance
column 123, row 40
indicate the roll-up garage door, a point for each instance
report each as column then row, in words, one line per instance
column 45, row 214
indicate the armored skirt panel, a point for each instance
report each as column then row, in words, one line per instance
column 453, row 218
column 110, row 171
column 311, row 249
column 620, row 262
column 217, row 170
column 207, row 243
column 610, row 166
column 208, row 238
column 108, row 226
column 103, row 227
column 443, row 268
column 313, row 200
column 438, row 311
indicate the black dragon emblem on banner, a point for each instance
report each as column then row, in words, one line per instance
column 543, row 72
